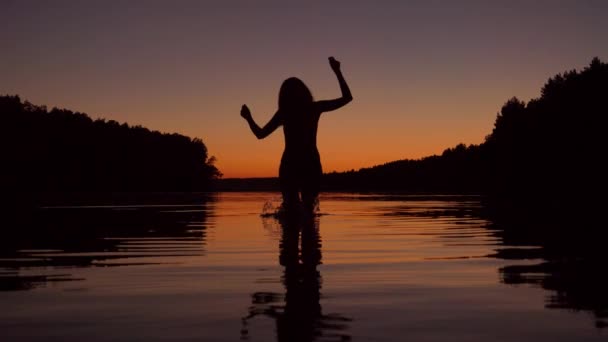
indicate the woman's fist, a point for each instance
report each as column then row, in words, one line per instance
column 334, row 64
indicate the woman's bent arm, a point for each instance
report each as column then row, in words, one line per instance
column 261, row 133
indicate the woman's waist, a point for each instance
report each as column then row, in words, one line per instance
column 295, row 154
column 303, row 149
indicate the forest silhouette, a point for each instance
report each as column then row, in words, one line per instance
column 550, row 144
column 63, row 151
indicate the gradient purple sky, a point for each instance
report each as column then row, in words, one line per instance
column 425, row 75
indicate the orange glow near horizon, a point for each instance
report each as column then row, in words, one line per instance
column 355, row 136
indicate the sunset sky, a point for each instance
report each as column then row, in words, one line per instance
column 425, row 75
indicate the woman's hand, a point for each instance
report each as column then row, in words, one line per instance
column 334, row 64
column 245, row 113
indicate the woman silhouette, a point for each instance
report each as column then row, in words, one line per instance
column 298, row 113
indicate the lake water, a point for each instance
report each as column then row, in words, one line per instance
column 369, row 268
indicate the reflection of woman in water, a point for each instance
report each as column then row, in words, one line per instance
column 300, row 170
column 298, row 313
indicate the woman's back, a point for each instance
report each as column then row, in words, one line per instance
column 300, row 130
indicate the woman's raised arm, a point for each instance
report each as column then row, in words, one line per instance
column 329, row 105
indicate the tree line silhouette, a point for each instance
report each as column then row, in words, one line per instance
column 456, row 170
column 541, row 156
column 59, row 150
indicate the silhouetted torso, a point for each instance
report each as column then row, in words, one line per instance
column 300, row 130
column 301, row 164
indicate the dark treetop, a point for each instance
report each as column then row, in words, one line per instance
column 64, row 151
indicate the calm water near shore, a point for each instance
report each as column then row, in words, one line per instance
column 369, row 268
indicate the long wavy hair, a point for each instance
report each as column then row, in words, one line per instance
column 294, row 96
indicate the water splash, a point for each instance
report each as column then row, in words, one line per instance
column 316, row 207
column 274, row 208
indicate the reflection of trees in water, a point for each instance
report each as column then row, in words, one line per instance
column 298, row 313
column 572, row 262
column 572, row 268
column 97, row 237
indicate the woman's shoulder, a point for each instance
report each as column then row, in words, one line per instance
column 317, row 107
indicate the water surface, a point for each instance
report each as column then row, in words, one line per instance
column 369, row 268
